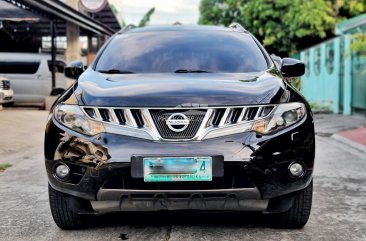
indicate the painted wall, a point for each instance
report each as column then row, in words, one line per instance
column 327, row 80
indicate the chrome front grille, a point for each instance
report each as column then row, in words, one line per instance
column 203, row 122
column 5, row 84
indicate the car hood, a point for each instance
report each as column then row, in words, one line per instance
column 171, row 90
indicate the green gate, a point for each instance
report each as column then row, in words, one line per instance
column 341, row 63
column 335, row 76
column 358, row 101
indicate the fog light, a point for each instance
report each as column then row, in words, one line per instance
column 296, row 169
column 62, row 171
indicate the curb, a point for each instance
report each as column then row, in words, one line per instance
column 349, row 142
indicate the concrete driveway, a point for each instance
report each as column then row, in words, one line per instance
column 339, row 206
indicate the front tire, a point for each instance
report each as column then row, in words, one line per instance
column 65, row 216
column 298, row 215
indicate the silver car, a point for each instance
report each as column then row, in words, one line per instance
column 31, row 76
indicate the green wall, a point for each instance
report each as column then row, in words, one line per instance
column 335, row 77
column 328, row 77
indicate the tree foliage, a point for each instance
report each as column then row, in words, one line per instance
column 284, row 26
column 358, row 45
column 146, row 18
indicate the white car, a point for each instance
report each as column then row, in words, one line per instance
column 6, row 93
column 31, row 76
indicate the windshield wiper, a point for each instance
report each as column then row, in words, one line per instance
column 115, row 71
column 190, row 71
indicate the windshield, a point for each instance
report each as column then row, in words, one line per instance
column 184, row 51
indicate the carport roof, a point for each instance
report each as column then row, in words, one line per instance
column 10, row 12
column 46, row 10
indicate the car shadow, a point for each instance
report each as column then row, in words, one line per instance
column 181, row 218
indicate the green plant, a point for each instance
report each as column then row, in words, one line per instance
column 319, row 107
column 144, row 20
column 296, row 82
column 4, row 166
column 358, row 44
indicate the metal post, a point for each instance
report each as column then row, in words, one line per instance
column 53, row 53
column 90, row 50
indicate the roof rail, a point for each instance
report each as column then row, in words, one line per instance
column 238, row 27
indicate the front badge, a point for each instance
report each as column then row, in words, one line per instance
column 177, row 122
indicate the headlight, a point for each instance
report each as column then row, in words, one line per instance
column 283, row 116
column 74, row 118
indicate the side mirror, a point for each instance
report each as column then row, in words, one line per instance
column 292, row 67
column 74, row 69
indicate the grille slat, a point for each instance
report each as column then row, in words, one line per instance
column 250, row 113
column 235, row 115
column 219, row 113
column 120, row 116
column 266, row 110
column 138, row 118
column 224, row 118
column 104, row 114
column 130, row 120
column 90, row 112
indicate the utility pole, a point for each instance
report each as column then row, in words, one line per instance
column 53, row 53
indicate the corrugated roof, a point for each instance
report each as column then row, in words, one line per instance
column 53, row 9
column 10, row 12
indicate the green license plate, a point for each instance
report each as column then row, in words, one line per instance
column 175, row 169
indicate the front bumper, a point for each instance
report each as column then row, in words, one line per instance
column 255, row 169
column 243, row 199
column 6, row 96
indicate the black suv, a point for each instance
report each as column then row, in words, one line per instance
column 177, row 118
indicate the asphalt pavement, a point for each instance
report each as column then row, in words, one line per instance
column 338, row 213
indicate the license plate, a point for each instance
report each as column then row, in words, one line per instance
column 173, row 169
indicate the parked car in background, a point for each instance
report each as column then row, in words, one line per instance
column 31, row 76
column 6, row 93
